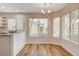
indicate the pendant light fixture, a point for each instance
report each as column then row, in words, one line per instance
column 45, row 9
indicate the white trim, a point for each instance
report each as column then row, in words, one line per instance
column 68, row 50
column 41, row 43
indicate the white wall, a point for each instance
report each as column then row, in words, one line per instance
column 19, row 40
column 71, row 47
column 43, row 40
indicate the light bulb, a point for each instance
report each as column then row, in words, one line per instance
column 42, row 11
column 49, row 11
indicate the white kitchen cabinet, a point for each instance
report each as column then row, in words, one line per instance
column 5, row 44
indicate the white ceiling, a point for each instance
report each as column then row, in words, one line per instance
column 29, row 7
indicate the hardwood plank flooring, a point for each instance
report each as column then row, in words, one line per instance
column 43, row 50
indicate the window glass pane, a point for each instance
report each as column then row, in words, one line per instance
column 33, row 27
column 66, row 27
column 43, row 27
column 38, row 27
column 11, row 24
column 56, row 27
column 74, row 26
column 19, row 24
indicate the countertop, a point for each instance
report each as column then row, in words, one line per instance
column 6, row 34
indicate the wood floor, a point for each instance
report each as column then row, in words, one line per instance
column 43, row 50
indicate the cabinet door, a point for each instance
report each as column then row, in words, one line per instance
column 5, row 45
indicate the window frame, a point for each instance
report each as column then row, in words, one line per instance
column 63, row 18
column 70, row 40
column 71, row 28
column 59, row 27
column 38, row 28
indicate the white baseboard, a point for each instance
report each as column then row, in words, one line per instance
column 41, row 43
column 20, row 49
column 69, row 51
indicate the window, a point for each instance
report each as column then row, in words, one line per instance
column 66, row 27
column 11, row 24
column 38, row 27
column 70, row 27
column 15, row 25
column 56, row 27
column 20, row 24
column 43, row 27
column 74, row 26
column 33, row 27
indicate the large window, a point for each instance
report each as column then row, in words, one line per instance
column 66, row 27
column 74, row 26
column 70, row 27
column 38, row 27
column 56, row 27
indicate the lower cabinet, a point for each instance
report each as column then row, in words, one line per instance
column 5, row 45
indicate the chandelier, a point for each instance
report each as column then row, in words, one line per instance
column 45, row 9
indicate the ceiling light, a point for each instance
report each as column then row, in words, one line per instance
column 45, row 8
column 42, row 11
column 49, row 11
